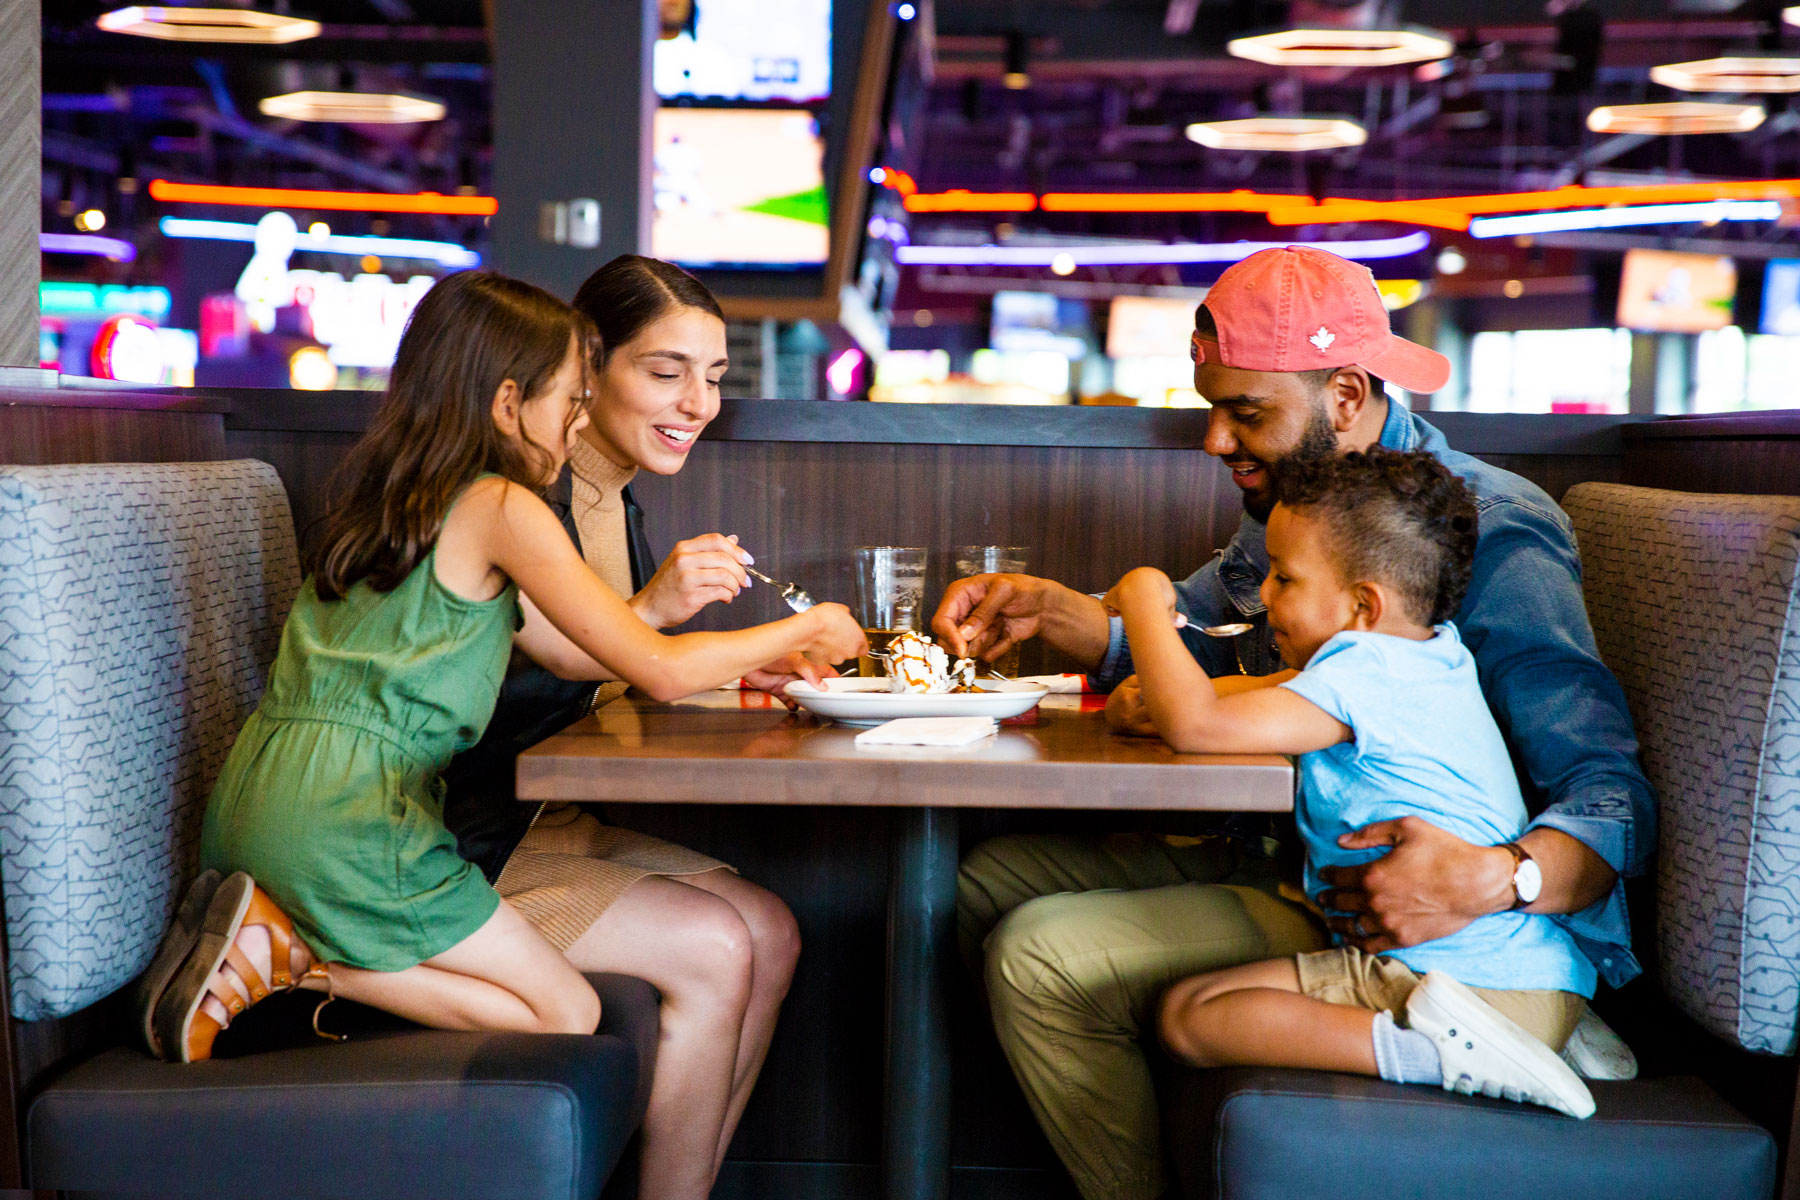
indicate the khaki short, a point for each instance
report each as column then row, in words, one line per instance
column 1345, row 975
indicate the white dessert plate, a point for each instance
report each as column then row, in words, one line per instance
column 856, row 701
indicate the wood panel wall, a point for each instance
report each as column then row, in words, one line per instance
column 1752, row 453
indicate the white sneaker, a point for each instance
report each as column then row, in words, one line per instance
column 1596, row 1052
column 1485, row 1053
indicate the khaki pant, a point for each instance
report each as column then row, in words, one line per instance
column 1345, row 975
column 1081, row 938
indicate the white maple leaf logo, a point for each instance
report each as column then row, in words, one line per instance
column 1323, row 339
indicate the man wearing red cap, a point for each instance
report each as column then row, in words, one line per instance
column 1080, row 936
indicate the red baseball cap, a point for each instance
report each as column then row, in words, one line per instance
column 1299, row 308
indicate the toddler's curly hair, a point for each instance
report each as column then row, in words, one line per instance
column 1396, row 517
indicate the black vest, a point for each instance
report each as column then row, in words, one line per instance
column 480, row 808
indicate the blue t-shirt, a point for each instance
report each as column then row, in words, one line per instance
column 1424, row 744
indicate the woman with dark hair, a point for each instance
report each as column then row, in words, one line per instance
column 329, row 864
column 720, row 950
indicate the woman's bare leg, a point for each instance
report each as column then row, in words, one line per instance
column 1256, row 1016
column 774, row 951
column 696, row 950
column 504, row 976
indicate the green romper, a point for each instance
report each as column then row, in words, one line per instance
column 331, row 797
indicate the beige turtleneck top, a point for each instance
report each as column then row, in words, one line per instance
column 597, row 485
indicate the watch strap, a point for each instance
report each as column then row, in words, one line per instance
column 1520, row 857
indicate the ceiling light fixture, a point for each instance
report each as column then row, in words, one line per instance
column 1617, row 218
column 1676, row 118
column 353, row 108
column 1732, row 73
column 256, row 197
column 1343, row 47
column 1139, row 255
column 448, row 254
column 207, row 25
column 1279, row 134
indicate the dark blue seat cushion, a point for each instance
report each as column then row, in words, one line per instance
column 401, row 1113
column 1262, row 1134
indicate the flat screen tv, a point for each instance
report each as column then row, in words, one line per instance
column 757, row 50
column 1661, row 291
column 739, row 188
column 1781, row 297
column 1149, row 327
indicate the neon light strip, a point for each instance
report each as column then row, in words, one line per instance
column 1121, row 256
column 254, row 197
column 87, row 243
column 1614, row 218
column 447, row 253
column 1442, row 212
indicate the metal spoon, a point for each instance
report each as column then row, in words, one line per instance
column 796, row 599
column 1227, row 631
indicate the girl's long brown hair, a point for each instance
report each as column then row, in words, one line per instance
column 434, row 433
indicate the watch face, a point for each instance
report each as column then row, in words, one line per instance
column 1528, row 881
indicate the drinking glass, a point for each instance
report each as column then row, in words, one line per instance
column 890, row 597
column 995, row 560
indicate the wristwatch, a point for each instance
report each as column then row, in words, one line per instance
column 1528, row 878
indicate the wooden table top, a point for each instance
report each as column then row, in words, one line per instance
column 744, row 748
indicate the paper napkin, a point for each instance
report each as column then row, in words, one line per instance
column 928, row 731
column 1059, row 685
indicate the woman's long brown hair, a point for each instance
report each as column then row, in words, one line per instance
column 434, row 433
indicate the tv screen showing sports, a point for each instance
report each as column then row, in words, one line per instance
column 739, row 188
column 1781, row 297
column 1664, row 292
column 744, row 50
column 1149, row 327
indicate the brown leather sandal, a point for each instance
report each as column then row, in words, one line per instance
column 185, row 1031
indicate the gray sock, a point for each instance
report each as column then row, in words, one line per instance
column 1405, row 1055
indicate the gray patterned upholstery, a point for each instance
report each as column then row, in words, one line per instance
column 1695, row 601
column 140, row 607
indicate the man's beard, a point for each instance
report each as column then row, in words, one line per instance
column 1317, row 443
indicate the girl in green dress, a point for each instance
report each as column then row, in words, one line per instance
column 438, row 559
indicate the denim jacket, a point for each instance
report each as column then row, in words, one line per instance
column 1561, row 710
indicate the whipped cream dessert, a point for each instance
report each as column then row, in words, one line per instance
column 917, row 664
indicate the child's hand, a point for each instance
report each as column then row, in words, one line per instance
column 1125, row 711
column 1144, row 585
column 836, row 637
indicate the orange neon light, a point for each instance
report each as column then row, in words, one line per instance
column 1238, row 201
column 257, row 197
column 899, row 180
column 957, row 200
column 1439, row 212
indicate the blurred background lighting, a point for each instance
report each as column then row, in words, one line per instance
column 447, row 253
column 257, row 197
column 1616, row 218
column 1450, row 261
column 1732, row 73
column 310, row 369
column 1676, row 117
column 1342, row 47
column 1141, row 254
column 353, row 108
column 207, row 25
column 87, row 243
column 1279, row 134
column 90, row 221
